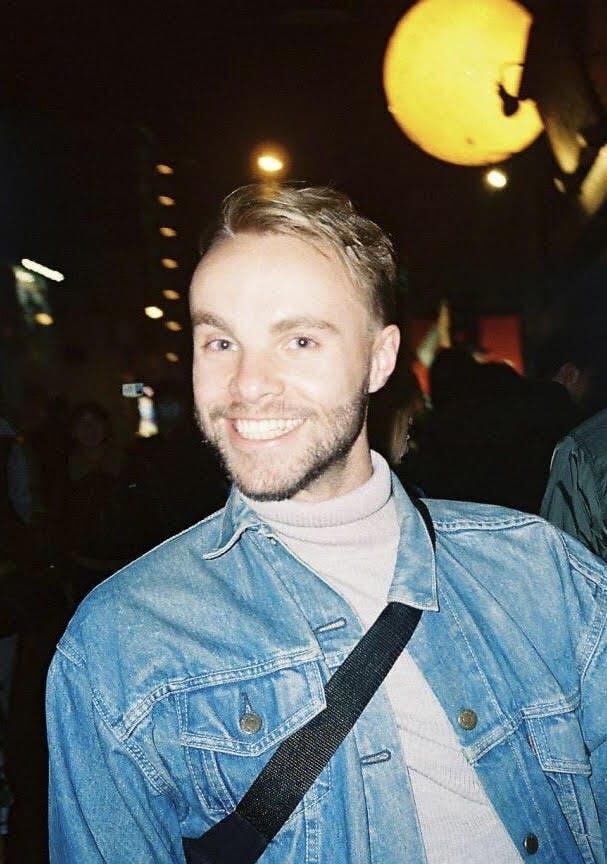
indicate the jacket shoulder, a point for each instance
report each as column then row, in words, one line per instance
column 156, row 572
column 450, row 516
column 513, row 529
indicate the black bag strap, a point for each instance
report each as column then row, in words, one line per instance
column 242, row 837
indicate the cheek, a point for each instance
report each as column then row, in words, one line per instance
column 206, row 384
column 331, row 385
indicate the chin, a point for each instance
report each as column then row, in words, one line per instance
column 268, row 490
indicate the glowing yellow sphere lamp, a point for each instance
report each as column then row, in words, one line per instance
column 442, row 69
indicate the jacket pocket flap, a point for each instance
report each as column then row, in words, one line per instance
column 558, row 743
column 249, row 716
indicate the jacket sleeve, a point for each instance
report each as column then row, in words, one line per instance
column 103, row 807
column 573, row 501
column 594, row 720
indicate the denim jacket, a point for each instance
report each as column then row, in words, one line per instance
column 178, row 677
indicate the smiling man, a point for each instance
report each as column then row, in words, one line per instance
column 179, row 677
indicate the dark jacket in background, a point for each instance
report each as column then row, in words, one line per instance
column 576, row 494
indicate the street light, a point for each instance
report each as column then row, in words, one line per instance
column 269, row 161
column 496, row 178
column 35, row 267
column 153, row 312
column 44, row 319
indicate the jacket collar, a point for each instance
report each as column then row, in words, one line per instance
column 414, row 579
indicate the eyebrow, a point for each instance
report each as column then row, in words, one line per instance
column 199, row 318
column 307, row 322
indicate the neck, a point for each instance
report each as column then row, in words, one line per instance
column 345, row 476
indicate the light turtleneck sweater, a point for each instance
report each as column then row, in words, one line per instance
column 351, row 542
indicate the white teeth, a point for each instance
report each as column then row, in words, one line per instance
column 261, row 430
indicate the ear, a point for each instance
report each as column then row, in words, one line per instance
column 383, row 356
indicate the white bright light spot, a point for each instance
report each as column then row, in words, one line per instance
column 496, row 178
column 153, row 312
column 53, row 275
column 269, row 163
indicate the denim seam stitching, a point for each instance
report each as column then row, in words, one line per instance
column 596, row 630
column 497, row 523
column 215, row 743
column 76, row 658
column 158, row 783
column 141, row 709
column 529, row 786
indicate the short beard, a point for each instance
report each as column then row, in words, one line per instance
column 345, row 422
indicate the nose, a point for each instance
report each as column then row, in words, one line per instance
column 255, row 377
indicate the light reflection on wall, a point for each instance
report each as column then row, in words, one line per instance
column 148, row 426
column 32, row 294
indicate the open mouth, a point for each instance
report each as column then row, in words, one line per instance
column 264, row 430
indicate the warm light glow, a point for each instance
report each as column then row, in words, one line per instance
column 442, row 68
column 270, row 163
column 172, row 357
column 496, row 178
column 153, row 312
column 171, row 294
column 166, row 200
column 169, row 263
column 44, row 318
column 53, row 275
column 175, row 326
column 167, row 232
column 24, row 277
column 164, row 169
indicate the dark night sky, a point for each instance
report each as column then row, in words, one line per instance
column 213, row 80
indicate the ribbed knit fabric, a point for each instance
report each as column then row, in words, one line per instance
column 351, row 542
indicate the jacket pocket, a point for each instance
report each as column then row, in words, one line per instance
column 558, row 743
column 231, row 729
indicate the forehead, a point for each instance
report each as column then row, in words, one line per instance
column 280, row 267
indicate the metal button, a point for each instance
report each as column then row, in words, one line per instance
column 250, row 723
column 531, row 844
column 467, row 719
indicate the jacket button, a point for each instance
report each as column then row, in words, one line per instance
column 531, row 844
column 250, row 723
column 467, row 719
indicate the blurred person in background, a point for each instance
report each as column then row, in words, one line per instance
column 32, row 614
column 576, row 494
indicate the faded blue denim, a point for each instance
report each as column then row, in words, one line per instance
column 162, row 661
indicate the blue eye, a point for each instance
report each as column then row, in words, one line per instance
column 220, row 345
column 302, row 342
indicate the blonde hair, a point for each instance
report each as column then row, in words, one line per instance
column 323, row 216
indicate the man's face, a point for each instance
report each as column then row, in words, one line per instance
column 285, row 354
